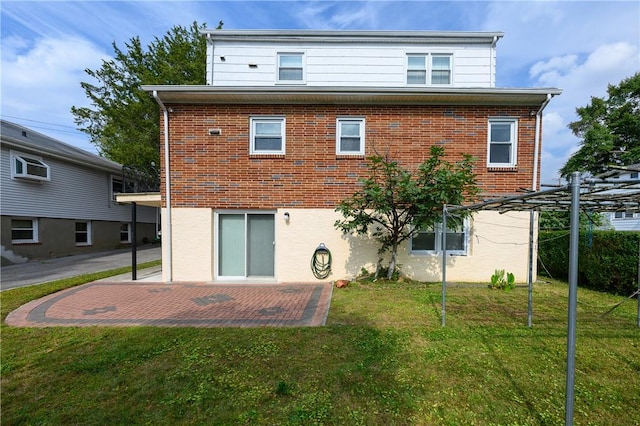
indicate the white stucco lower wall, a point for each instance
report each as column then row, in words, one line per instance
column 496, row 241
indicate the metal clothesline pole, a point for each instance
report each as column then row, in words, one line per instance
column 444, row 262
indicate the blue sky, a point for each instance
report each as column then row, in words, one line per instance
column 577, row 46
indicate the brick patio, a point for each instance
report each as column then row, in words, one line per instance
column 179, row 305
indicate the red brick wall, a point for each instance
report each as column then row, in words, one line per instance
column 217, row 171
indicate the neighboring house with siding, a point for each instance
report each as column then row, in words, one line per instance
column 257, row 160
column 624, row 220
column 58, row 200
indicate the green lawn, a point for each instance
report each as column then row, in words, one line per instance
column 383, row 358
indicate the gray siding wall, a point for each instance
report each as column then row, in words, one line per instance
column 74, row 192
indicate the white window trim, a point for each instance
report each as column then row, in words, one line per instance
column 362, row 123
column 438, row 242
column 428, row 58
column 514, row 142
column 34, row 228
column 252, row 126
column 21, row 156
column 128, row 240
column 89, row 233
column 111, row 191
column 304, row 68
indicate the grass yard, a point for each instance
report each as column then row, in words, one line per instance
column 383, row 358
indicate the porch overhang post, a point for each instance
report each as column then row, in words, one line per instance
column 134, row 244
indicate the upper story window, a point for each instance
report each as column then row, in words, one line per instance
column 267, row 135
column 350, row 136
column 440, row 69
column 24, row 230
column 26, row 166
column 433, row 69
column 502, row 147
column 117, row 186
column 623, row 215
column 290, row 67
column 430, row 240
column 417, row 69
column 83, row 233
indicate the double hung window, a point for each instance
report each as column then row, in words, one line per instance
column 502, row 146
column 431, row 240
column 350, row 136
column 24, row 230
column 125, row 233
column 267, row 135
column 83, row 233
column 433, row 69
column 290, row 67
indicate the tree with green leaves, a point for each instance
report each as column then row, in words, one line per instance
column 394, row 203
column 122, row 119
column 610, row 130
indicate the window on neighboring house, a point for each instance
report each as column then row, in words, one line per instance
column 430, row 240
column 634, row 175
column 117, row 186
column 83, row 233
column 416, row 69
column 502, row 142
column 441, row 69
column 26, row 166
column 623, row 215
column 350, row 136
column 267, row 135
column 24, row 230
column 125, row 232
column 290, row 67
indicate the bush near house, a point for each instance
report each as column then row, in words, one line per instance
column 608, row 259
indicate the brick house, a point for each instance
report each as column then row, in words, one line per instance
column 257, row 159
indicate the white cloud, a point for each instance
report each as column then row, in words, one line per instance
column 42, row 82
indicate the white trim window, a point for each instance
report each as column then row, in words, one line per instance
column 416, row 69
column 83, row 233
column 117, row 186
column 440, row 69
column 350, row 136
column 623, row 215
column 291, row 68
column 125, row 232
column 430, row 241
column 502, row 142
column 437, row 66
column 267, row 135
column 26, row 166
column 24, row 230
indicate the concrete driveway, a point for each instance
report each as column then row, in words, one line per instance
column 41, row 271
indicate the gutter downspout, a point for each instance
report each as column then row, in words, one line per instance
column 534, row 185
column 167, row 168
column 492, row 82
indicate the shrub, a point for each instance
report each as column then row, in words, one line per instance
column 499, row 281
column 608, row 260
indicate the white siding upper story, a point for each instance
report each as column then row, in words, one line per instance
column 351, row 58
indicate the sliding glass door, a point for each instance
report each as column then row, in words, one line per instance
column 246, row 245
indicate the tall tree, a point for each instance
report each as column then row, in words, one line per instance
column 122, row 120
column 394, row 203
column 610, row 130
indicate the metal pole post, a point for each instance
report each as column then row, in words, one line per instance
column 134, row 243
column 530, row 277
column 573, row 297
column 638, row 295
column 444, row 262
